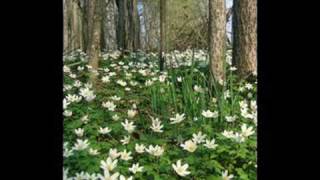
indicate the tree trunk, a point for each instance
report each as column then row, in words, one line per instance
column 95, row 45
column 121, row 24
column 162, row 33
column 136, row 40
column 245, row 36
column 217, row 38
column 65, row 26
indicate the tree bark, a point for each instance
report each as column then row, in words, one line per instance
column 65, row 26
column 245, row 37
column 95, row 45
column 121, row 24
column 162, row 33
column 217, row 38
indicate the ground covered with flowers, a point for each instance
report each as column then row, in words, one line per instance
column 138, row 123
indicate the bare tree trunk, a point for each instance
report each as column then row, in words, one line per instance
column 217, row 38
column 121, row 24
column 95, row 47
column 245, row 36
column 162, row 33
column 136, row 39
column 65, row 26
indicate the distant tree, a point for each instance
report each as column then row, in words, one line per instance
column 217, row 38
column 245, row 36
column 95, row 40
column 162, row 33
column 121, row 33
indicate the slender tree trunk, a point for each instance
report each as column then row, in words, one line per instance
column 121, row 24
column 136, row 40
column 245, row 36
column 65, row 26
column 131, row 25
column 217, row 38
column 162, row 33
column 95, row 47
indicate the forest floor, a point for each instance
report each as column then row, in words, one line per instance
column 143, row 124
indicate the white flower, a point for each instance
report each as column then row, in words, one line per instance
column 81, row 176
column 228, row 134
column 124, row 178
column 198, row 138
column 108, row 164
column 67, row 113
column 65, row 103
column 241, row 89
column 179, row 79
column 112, row 74
column 105, row 79
column 181, row 170
column 132, row 113
column 65, row 174
column 128, row 126
column 133, row 83
column 198, row 89
column 67, row 152
column 79, row 132
column 189, row 145
column 105, row 130
column 107, row 176
column 125, row 156
column 87, row 94
column 210, row 144
column 85, row 119
column 125, row 140
column 243, row 104
column 226, row 94
column 148, row 82
column 106, row 70
column 232, row 68
column 115, row 117
column 81, row 144
column 114, row 154
column 93, row 176
column 156, row 150
column 67, row 87
column 93, row 151
column 229, row 59
column 225, row 175
column 246, row 132
column 156, row 125
column 143, row 72
column 77, row 83
column 135, row 168
column 177, row 119
column 80, row 68
column 238, row 137
column 66, row 69
column 73, row 98
column 109, row 105
column 140, row 148
column 127, row 89
column 253, row 105
column 115, row 98
column 121, row 83
column 231, row 118
column 162, row 78
column 214, row 100
column 209, row 114
column 248, row 86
